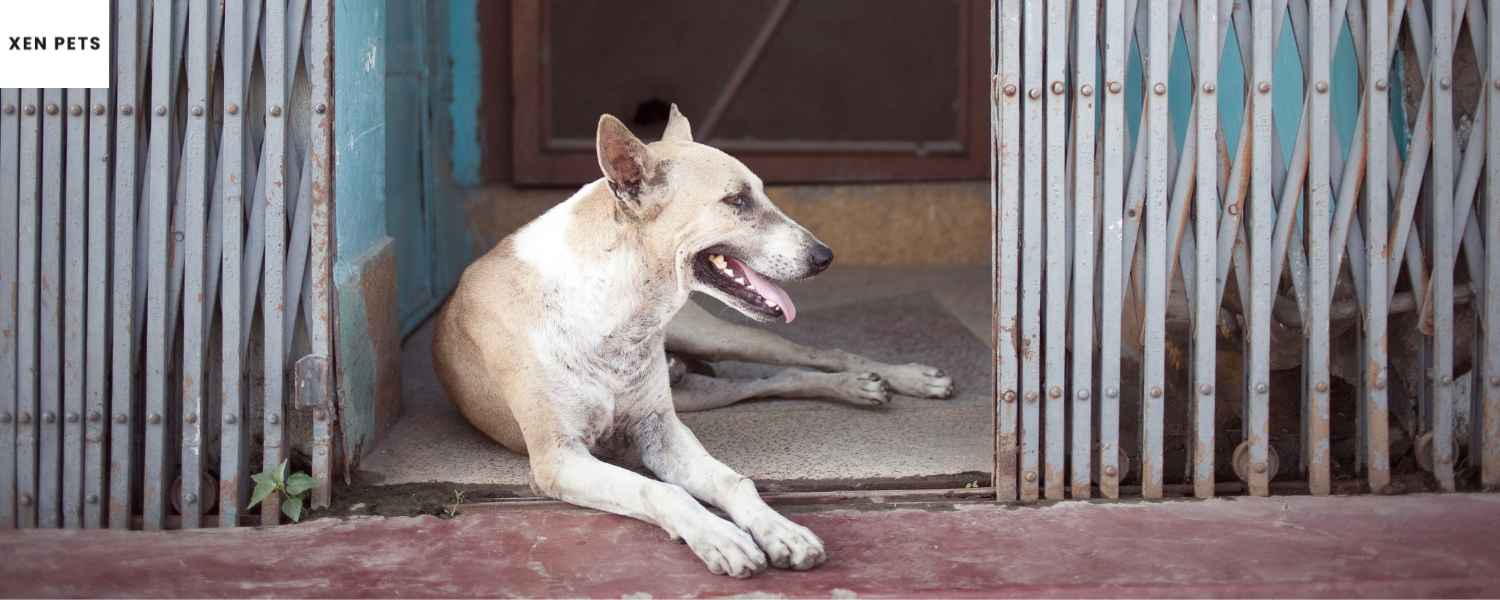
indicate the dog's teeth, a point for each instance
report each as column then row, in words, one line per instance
column 741, row 281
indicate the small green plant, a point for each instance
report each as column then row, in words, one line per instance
column 451, row 510
column 292, row 489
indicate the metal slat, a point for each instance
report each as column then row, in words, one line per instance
column 195, row 166
column 1316, row 328
column 157, row 204
column 1377, row 132
column 74, row 251
column 1262, row 216
column 49, row 305
column 27, row 360
column 1153, row 363
column 1112, row 262
column 1490, row 443
column 10, row 150
column 1084, row 85
column 320, row 326
column 275, row 245
column 1441, row 206
column 232, row 157
column 1205, row 274
column 1031, row 252
column 1056, row 270
column 121, row 413
column 96, row 396
column 1007, row 267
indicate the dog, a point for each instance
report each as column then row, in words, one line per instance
column 554, row 342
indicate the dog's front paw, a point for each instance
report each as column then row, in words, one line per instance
column 725, row 549
column 790, row 546
column 917, row 380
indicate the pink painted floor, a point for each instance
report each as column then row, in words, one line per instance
column 1409, row 546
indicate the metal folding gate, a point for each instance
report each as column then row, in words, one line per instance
column 1097, row 217
column 166, row 244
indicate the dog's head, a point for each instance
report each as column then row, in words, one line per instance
column 711, row 216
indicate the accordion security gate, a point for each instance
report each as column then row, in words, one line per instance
column 167, row 246
column 1149, row 165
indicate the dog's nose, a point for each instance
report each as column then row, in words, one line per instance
column 820, row 258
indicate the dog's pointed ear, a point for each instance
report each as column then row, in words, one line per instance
column 678, row 128
column 625, row 161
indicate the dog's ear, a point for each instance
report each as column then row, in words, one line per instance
column 625, row 161
column 678, row 128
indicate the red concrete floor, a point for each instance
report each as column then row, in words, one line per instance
column 1410, row 546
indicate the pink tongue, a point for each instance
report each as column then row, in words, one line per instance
column 766, row 288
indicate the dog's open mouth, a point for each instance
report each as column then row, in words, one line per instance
column 734, row 278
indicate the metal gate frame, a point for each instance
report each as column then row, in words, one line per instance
column 1073, row 198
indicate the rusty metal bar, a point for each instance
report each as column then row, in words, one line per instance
column 1490, row 441
column 1084, row 72
column 1056, row 271
column 320, row 296
column 121, row 413
column 1377, row 130
column 75, row 213
column 1441, row 207
column 1262, row 217
column 275, row 245
column 236, row 55
column 1316, row 423
column 1007, row 128
column 10, row 150
column 1031, row 252
column 156, row 205
column 49, row 304
column 1153, row 364
column 1206, row 303
column 195, row 166
column 96, row 394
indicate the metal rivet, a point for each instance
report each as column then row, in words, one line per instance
column 318, row 415
column 30, row 109
column 1495, row 381
column 51, row 108
column 275, row 111
column 161, row 110
column 1446, row 380
column 93, row 498
column 1260, row 467
column 1209, row 88
column 6, row 417
column 1264, row 87
column 322, row 451
column 1111, row 392
column 1234, row 209
column 1115, row 87
column 49, row 417
column 177, row 235
column 1497, row 84
column 1083, row 395
column 94, row 416
column 1055, row 392
column 72, row 417
column 1086, row 90
column 1160, row 89
column 1260, row 388
column 153, row 419
column 1031, row 396
column 98, row 109
column 1206, row 389
column 25, row 499
column 1031, row 476
column 1130, row 213
column 274, row 419
column 127, row 110
column 1447, row 460
column 1156, row 392
column 1111, row 471
column 320, row 108
column 192, row 418
column 231, row 419
column 233, row 108
column 197, row 111
column 10, row 109
column 1009, row 89
column 190, row 498
column 1321, row 387
column 1321, row 86
column 121, row 418
column 1380, row 382
column 1034, row 93
column 1058, row 87
column 25, row 417
column 76, row 110
column 1010, row 396
column 1380, row 85
column 1445, row 83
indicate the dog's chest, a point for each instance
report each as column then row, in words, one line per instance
column 604, row 383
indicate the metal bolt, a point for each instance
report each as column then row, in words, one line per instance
column 10, row 109
column 51, row 108
column 275, row 419
column 1111, row 392
column 1010, row 396
column 98, row 109
column 72, row 417
column 93, row 498
column 192, row 418
column 1034, row 93
column 6, row 417
column 1058, row 87
column 190, row 498
column 231, row 419
column 30, row 109
column 25, row 499
column 1447, row 460
column 1209, row 88
column 1264, row 87
column 1445, row 83
column 49, row 417
column 1086, row 90
column 1031, row 476
column 233, row 108
column 75, row 110
column 318, row 415
column 1055, row 392
column 322, row 451
column 320, row 108
column 127, row 110
column 1380, row 85
column 275, row 111
column 161, row 110
column 1111, row 471
column 1009, row 89
column 1156, row 392
column 1321, row 86
column 1160, row 89
column 1031, row 396
column 154, row 419
column 1206, row 389
column 1083, row 395
column 1260, row 467
column 1115, row 87
column 1497, row 84
column 197, row 111
column 25, row 417
column 1234, row 209
column 1495, row 381
column 1380, row 381
column 1260, row 388
column 1321, row 387
column 121, row 418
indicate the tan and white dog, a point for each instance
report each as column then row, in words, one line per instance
column 553, row 343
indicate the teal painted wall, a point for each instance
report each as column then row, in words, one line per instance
column 359, row 129
column 467, row 90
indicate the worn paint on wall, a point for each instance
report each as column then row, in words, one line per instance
column 463, row 109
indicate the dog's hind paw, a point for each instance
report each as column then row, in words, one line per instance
column 917, row 380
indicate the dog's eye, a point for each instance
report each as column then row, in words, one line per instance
column 736, row 200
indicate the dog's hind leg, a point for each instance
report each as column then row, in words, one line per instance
column 671, row 451
column 697, row 333
column 693, row 392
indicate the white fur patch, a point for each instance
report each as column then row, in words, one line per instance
column 543, row 243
